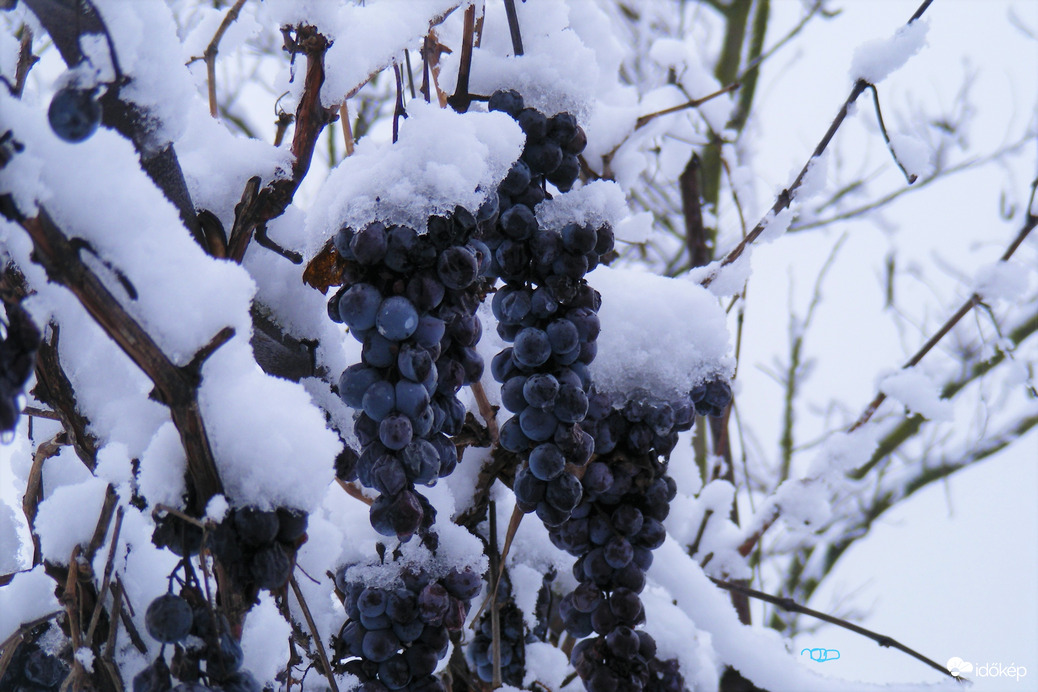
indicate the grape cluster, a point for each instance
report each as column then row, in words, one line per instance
column 397, row 632
column 411, row 300
column 552, row 147
column 546, row 311
column 33, row 670
column 256, row 547
column 615, row 528
column 511, row 640
column 17, row 360
column 187, row 622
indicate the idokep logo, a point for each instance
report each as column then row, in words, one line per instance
column 959, row 667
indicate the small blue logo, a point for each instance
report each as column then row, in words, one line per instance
column 821, row 655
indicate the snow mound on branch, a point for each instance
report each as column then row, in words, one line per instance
column 366, row 38
column 918, row 392
column 264, row 430
column 913, row 154
column 663, row 334
column 67, row 518
column 30, row 595
column 874, row 60
column 1003, row 280
column 442, row 159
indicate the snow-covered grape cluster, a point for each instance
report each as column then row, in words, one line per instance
column 410, row 298
column 256, row 547
column 17, row 360
column 548, row 313
column 615, row 528
column 398, row 629
column 187, row 622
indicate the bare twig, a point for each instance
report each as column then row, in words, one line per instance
column 791, row 606
column 785, row 198
column 176, row 386
column 486, row 410
column 106, row 580
column 314, row 633
column 310, row 119
column 461, row 98
column 347, row 129
column 398, row 108
column 25, row 61
column 644, row 120
column 513, row 27
column 210, row 53
column 963, row 310
column 910, row 177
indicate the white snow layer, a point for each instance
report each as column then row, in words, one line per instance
column 665, row 335
column 918, row 392
column 759, row 654
column 875, row 59
column 1002, row 280
column 913, row 154
column 442, row 159
column 30, row 595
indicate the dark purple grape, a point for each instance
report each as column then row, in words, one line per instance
column 168, row 618
column 354, row 381
column 74, row 114
column 457, row 267
column 256, row 527
column 433, row 602
column 368, row 245
column 507, row 100
column 564, row 492
column 537, row 425
column 271, row 567
column 517, row 179
column 512, row 394
column 379, row 400
column 358, row 306
column 380, row 645
column 531, row 348
column 518, row 223
column 395, row 431
column 397, row 318
column 395, row 673
column 425, row 291
column 539, row 390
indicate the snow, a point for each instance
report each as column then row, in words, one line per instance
column 917, row 391
column 10, row 539
column 726, row 279
column 775, row 225
column 264, row 640
column 914, row 155
column 30, row 595
column 874, row 60
column 443, row 159
column 598, row 203
column 162, row 468
column 67, row 518
column 259, row 427
column 759, row 654
column 666, row 335
column 1003, row 280
column 148, row 50
column 815, row 179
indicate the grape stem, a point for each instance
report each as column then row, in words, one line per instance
column 313, row 631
